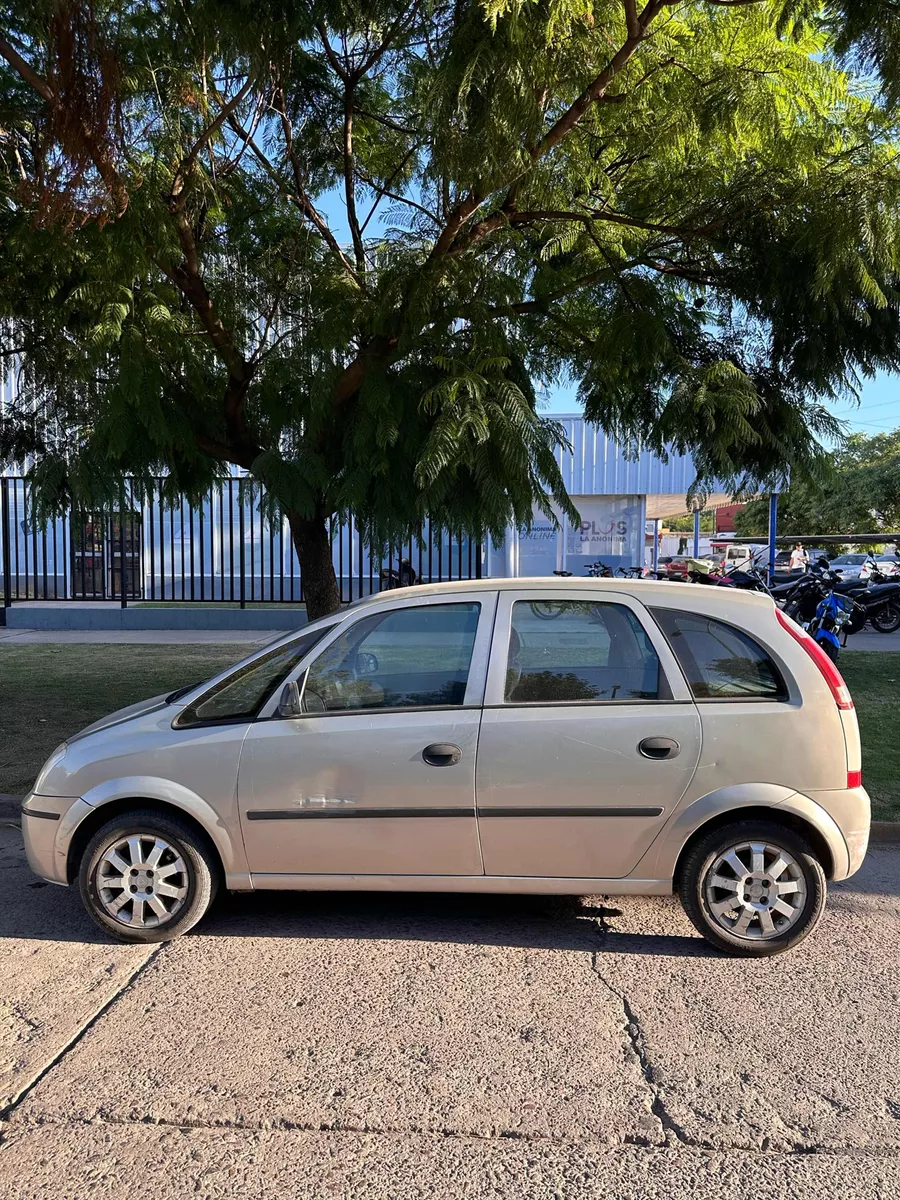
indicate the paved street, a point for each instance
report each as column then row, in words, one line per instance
column 403, row 1046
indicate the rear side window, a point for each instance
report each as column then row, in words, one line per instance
column 719, row 661
column 566, row 651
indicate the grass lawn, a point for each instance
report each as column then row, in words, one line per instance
column 873, row 677
column 48, row 692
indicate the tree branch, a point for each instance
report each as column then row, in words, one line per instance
column 300, row 199
column 99, row 152
column 27, row 73
column 187, row 163
column 349, row 189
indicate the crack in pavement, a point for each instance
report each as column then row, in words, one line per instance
column 636, row 1042
column 284, row 1125
column 7, row 1111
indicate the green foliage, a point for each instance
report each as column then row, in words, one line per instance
column 696, row 219
column 859, row 494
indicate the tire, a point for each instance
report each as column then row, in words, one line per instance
column 887, row 619
column 546, row 610
column 829, row 649
column 704, row 861
column 188, row 861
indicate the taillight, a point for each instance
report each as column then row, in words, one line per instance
column 828, row 670
column 854, row 779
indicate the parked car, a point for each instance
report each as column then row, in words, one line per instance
column 852, row 566
column 888, row 564
column 631, row 737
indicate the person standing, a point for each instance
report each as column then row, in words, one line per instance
column 799, row 558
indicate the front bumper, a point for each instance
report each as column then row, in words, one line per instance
column 48, row 823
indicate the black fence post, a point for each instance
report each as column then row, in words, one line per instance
column 124, row 598
column 241, row 540
column 7, row 571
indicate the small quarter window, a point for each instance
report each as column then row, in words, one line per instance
column 566, row 651
column 719, row 661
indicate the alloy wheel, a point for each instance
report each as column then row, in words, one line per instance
column 142, row 881
column 755, row 890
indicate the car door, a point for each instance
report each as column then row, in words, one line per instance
column 589, row 737
column 376, row 776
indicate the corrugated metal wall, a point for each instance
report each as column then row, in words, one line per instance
column 597, row 465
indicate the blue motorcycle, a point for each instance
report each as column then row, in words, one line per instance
column 833, row 612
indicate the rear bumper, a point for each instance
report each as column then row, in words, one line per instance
column 47, row 826
column 851, row 811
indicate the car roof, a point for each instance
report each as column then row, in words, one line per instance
column 648, row 591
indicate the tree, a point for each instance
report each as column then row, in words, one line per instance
column 860, row 494
column 691, row 208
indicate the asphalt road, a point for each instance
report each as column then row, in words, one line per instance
column 402, row 1046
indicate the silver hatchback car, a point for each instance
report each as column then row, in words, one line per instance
column 554, row 736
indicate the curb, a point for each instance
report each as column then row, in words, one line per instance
column 882, row 833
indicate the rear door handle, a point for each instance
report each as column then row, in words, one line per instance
column 659, row 747
column 442, row 754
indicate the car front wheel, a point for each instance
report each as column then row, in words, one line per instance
column 147, row 877
column 753, row 888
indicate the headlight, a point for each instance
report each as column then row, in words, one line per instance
column 52, row 762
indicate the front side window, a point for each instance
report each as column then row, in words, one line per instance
column 241, row 695
column 574, row 650
column 719, row 661
column 408, row 658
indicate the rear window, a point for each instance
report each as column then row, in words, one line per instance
column 719, row 661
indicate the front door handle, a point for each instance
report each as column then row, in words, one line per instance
column 442, row 754
column 659, row 747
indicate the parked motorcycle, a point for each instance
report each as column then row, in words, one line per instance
column 405, row 577
column 877, row 603
column 834, row 613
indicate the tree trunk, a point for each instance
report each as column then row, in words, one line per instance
column 313, row 546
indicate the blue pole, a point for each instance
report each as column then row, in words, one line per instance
column 656, row 525
column 696, row 533
column 773, row 534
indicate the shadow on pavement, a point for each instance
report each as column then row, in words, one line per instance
column 32, row 909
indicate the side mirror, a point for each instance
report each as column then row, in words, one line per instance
column 291, row 702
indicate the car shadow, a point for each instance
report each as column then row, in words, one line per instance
column 43, row 912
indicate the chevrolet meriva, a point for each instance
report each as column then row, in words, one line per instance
column 557, row 736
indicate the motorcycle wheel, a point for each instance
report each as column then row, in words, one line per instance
column 830, row 649
column 887, row 619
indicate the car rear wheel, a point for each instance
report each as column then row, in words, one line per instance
column 147, row 877
column 753, row 888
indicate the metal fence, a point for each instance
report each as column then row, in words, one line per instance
column 223, row 550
